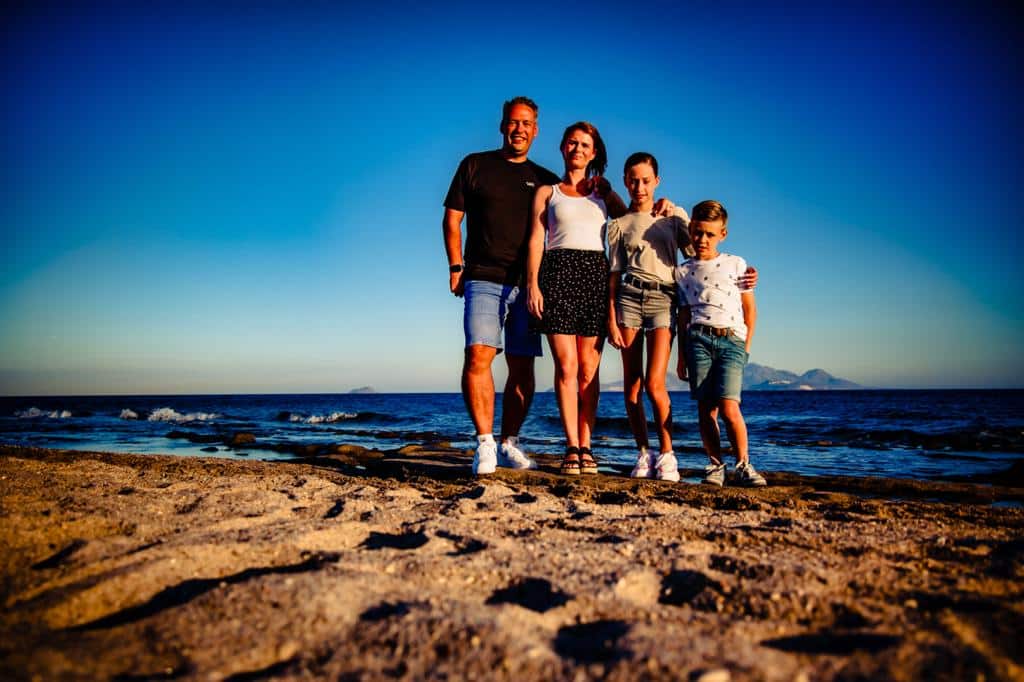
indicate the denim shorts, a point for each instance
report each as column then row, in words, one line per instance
column 492, row 308
column 637, row 308
column 715, row 366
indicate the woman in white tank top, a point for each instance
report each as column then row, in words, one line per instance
column 567, row 283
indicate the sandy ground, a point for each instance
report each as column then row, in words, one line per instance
column 368, row 565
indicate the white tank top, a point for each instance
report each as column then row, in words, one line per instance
column 576, row 222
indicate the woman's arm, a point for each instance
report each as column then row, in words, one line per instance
column 535, row 251
column 616, row 207
column 614, row 333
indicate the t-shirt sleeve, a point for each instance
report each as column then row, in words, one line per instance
column 456, row 198
column 616, row 257
column 547, row 177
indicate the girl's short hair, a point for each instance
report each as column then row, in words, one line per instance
column 708, row 211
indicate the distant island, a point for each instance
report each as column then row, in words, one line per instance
column 364, row 389
column 763, row 378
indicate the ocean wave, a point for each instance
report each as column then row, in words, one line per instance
column 36, row 413
column 128, row 414
column 167, row 414
column 333, row 417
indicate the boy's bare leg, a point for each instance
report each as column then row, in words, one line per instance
column 707, row 413
column 588, row 349
column 659, row 347
column 519, row 389
column 478, row 386
column 632, row 384
column 563, row 347
column 736, row 428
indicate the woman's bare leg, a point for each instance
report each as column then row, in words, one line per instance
column 563, row 348
column 588, row 352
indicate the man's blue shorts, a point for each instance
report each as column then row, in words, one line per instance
column 493, row 308
column 715, row 365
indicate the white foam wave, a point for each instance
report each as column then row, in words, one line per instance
column 328, row 419
column 128, row 414
column 167, row 414
column 35, row 413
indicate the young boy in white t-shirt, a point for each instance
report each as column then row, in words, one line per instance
column 716, row 324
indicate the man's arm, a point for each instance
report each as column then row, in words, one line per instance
column 451, row 226
column 749, row 314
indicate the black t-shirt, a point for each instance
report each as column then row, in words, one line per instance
column 496, row 195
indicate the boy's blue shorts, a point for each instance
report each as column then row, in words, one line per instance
column 715, row 365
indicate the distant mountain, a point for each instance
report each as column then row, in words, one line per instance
column 763, row 378
column 363, row 389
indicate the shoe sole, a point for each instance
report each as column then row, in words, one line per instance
column 509, row 465
column 714, row 483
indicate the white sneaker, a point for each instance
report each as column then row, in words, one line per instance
column 644, row 467
column 748, row 477
column 509, row 455
column 665, row 467
column 485, row 461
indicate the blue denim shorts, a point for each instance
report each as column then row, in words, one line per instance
column 715, row 366
column 492, row 308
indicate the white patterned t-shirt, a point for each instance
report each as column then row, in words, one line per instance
column 710, row 288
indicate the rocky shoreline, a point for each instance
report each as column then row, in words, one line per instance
column 360, row 564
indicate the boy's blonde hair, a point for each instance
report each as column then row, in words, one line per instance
column 709, row 211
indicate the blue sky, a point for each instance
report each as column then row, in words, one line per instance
column 243, row 200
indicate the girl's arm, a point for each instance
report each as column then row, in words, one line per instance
column 749, row 314
column 614, row 333
column 682, row 322
column 535, row 251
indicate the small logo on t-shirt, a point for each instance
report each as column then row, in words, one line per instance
column 530, row 185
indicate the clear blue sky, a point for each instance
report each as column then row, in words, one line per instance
column 241, row 200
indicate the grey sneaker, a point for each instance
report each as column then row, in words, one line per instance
column 748, row 477
column 485, row 461
column 665, row 467
column 644, row 467
column 714, row 474
column 510, row 456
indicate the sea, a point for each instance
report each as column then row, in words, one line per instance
column 928, row 434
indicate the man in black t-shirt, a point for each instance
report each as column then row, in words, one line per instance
column 494, row 191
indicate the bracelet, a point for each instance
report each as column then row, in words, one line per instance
column 455, row 268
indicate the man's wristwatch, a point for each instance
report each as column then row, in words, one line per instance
column 455, row 268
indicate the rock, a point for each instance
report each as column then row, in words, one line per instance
column 241, row 438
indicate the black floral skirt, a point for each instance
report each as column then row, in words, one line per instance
column 574, row 284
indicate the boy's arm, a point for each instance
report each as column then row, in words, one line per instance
column 682, row 322
column 749, row 314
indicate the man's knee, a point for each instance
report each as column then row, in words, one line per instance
column 479, row 359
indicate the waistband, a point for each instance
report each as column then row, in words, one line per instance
column 710, row 331
column 650, row 286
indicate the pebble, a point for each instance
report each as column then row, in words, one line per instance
column 716, row 675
